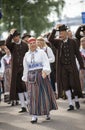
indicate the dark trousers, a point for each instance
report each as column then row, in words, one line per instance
column 52, row 78
column 67, row 76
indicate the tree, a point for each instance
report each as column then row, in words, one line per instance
column 33, row 13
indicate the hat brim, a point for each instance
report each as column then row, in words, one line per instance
column 26, row 36
column 16, row 35
column 62, row 29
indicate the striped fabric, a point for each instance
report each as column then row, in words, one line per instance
column 42, row 98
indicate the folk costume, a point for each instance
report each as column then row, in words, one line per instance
column 18, row 87
column 67, row 71
column 6, row 69
column 42, row 98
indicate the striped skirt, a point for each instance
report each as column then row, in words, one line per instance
column 41, row 96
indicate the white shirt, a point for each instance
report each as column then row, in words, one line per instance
column 40, row 61
column 7, row 58
column 50, row 54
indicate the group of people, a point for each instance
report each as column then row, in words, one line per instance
column 30, row 70
column 44, row 68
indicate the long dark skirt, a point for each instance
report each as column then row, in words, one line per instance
column 41, row 95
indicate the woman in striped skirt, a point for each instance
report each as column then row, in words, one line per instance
column 36, row 70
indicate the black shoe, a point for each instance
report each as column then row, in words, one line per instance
column 77, row 105
column 70, row 108
column 17, row 103
column 33, row 121
column 12, row 103
column 47, row 118
column 9, row 102
column 23, row 110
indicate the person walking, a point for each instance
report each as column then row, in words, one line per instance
column 18, row 49
column 67, row 71
column 35, row 74
column 6, row 70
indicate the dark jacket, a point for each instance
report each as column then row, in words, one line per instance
column 17, row 52
column 74, row 53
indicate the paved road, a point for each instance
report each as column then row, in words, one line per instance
column 10, row 119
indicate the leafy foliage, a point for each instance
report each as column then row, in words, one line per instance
column 29, row 14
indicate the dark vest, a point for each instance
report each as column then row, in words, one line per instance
column 65, row 57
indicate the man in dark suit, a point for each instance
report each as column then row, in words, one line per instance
column 67, row 71
column 18, row 49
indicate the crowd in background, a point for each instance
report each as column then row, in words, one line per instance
column 36, row 71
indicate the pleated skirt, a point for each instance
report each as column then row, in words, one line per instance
column 41, row 96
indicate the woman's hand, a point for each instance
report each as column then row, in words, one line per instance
column 44, row 74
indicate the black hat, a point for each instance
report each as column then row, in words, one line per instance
column 16, row 33
column 2, row 42
column 83, row 28
column 62, row 28
column 26, row 35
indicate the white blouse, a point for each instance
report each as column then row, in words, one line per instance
column 2, row 68
column 82, row 51
column 35, row 60
column 7, row 58
column 50, row 54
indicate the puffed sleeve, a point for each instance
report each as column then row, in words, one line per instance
column 2, row 68
column 50, row 54
column 46, row 64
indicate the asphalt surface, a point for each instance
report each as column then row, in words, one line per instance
column 61, row 119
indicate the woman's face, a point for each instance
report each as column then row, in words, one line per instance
column 33, row 46
column 40, row 43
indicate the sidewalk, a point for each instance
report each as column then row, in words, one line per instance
column 10, row 119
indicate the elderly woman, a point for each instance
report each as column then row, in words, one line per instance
column 35, row 74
